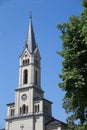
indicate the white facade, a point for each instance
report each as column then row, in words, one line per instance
column 30, row 111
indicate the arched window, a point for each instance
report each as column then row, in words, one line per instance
column 28, row 61
column 12, row 112
column 38, row 107
column 25, row 77
column 25, row 62
column 23, row 109
column 26, row 109
column 20, row 111
column 36, row 77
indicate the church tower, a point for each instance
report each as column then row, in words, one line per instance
column 30, row 110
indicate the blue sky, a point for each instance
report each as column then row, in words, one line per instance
column 14, row 19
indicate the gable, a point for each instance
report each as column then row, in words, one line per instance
column 25, row 53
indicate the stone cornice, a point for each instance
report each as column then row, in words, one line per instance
column 30, row 87
column 31, row 64
column 23, row 116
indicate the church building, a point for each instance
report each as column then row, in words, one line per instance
column 30, row 110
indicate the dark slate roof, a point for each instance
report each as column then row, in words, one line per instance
column 55, row 121
column 10, row 104
column 40, row 98
column 30, row 40
column 2, row 129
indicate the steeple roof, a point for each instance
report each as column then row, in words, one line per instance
column 30, row 41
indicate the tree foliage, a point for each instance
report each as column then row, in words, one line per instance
column 78, row 127
column 74, row 72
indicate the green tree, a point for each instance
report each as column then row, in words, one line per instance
column 78, row 127
column 74, row 72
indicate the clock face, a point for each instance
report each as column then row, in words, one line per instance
column 24, row 97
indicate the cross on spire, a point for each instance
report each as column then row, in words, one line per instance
column 30, row 14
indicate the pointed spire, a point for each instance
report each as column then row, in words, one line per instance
column 30, row 41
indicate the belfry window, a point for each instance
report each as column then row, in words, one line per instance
column 36, row 77
column 28, row 61
column 23, row 108
column 25, row 77
column 20, row 111
column 25, row 62
column 26, row 109
column 38, row 107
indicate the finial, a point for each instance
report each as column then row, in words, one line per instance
column 30, row 14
